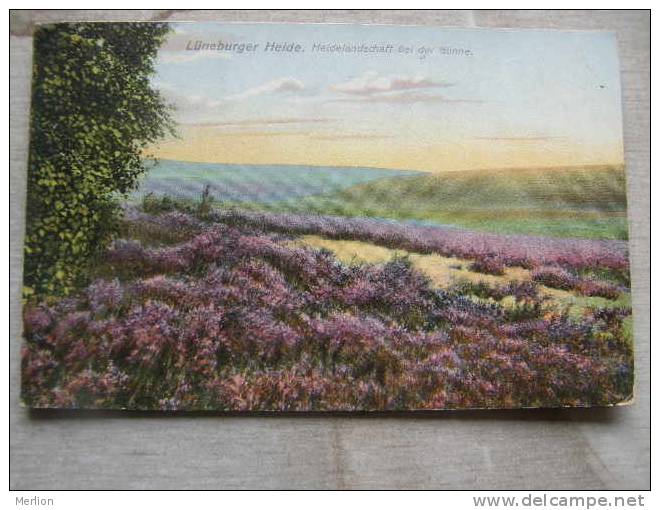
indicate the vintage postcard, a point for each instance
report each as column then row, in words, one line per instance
column 280, row 217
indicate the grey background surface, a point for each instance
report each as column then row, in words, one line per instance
column 533, row 449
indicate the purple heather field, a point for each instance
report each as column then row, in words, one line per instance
column 222, row 311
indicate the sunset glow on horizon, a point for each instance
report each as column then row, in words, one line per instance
column 500, row 104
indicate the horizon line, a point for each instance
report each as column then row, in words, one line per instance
column 620, row 165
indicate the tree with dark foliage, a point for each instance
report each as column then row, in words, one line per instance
column 94, row 113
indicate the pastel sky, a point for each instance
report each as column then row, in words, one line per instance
column 518, row 99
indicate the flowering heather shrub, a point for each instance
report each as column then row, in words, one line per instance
column 520, row 291
column 596, row 288
column 527, row 304
column 488, row 265
column 168, row 228
column 36, row 319
column 104, row 295
column 234, row 319
column 512, row 250
column 561, row 279
column 555, row 277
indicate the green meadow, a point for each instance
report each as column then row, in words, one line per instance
column 584, row 202
column 587, row 202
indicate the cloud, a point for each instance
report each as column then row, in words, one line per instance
column 404, row 98
column 371, row 87
column 187, row 104
column 278, row 85
column 260, row 134
column 351, row 136
column 216, row 112
column 519, row 138
column 370, row 83
column 265, row 122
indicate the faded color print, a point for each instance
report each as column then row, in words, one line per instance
column 273, row 217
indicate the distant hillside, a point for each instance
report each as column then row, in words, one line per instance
column 591, row 188
column 254, row 183
column 566, row 202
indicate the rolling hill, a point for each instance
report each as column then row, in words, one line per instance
column 565, row 202
column 254, row 183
